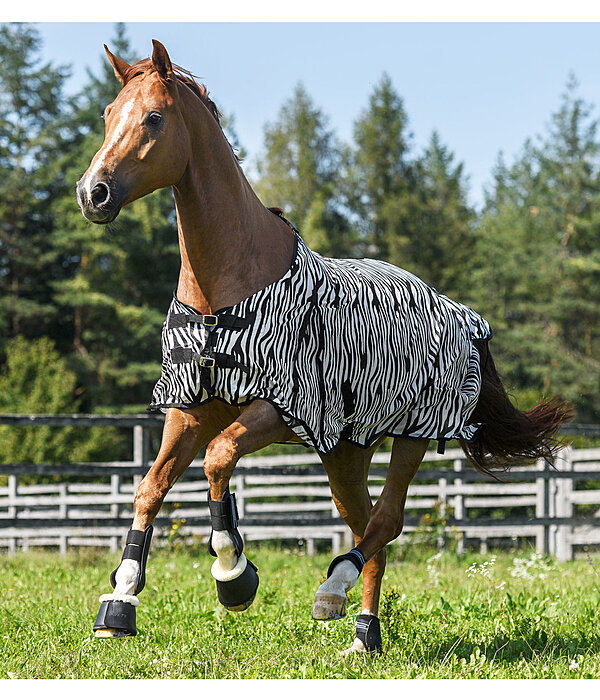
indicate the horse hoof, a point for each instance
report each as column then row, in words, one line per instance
column 329, row 606
column 241, row 607
column 115, row 619
column 109, row 634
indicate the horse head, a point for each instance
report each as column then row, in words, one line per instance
column 146, row 144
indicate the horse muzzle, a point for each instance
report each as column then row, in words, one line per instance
column 100, row 202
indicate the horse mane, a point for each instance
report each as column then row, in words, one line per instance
column 184, row 77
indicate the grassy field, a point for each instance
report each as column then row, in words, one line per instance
column 444, row 616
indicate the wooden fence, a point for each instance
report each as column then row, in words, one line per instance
column 288, row 498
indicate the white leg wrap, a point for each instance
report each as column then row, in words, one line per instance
column 126, row 577
column 227, row 560
column 357, row 646
column 342, row 579
column 221, row 574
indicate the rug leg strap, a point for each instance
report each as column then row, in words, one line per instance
column 354, row 555
column 116, row 615
column 137, row 547
column 224, row 516
column 369, row 633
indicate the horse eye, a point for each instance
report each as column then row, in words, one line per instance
column 154, row 118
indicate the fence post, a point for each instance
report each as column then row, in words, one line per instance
column 13, row 486
column 141, row 447
column 141, row 456
column 542, row 541
column 564, row 506
column 115, row 490
column 240, row 495
column 336, row 543
column 551, row 490
column 348, row 538
column 459, row 506
column 115, row 507
column 63, row 509
column 443, row 494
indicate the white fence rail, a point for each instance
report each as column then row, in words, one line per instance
column 288, row 498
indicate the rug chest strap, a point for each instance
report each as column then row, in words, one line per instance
column 231, row 323
column 182, row 355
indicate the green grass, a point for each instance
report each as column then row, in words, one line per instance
column 437, row 622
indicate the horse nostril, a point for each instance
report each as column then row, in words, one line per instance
column 100, row 194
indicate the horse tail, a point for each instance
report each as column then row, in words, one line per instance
column 511, row 437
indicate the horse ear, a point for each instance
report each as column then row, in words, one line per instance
column 161, row 60
column 119, row 65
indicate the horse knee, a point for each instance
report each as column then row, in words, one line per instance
column 221, row 457
column 150, row 494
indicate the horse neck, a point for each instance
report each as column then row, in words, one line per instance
column 231, row 245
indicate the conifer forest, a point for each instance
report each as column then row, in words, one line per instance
column 82, row 306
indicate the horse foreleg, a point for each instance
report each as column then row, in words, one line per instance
column 184, row 433
column 257, row 426
column 347, row 468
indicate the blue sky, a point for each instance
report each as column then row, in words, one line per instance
column 485, row 87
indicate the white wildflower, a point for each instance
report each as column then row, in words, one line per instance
column 536, row 566
column 484, row 570
column 432, row 570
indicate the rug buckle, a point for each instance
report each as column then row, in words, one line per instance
column 210, row 320
column 208, row 362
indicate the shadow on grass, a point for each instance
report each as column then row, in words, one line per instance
column 508, row 648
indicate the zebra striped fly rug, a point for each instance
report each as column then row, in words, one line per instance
column 344, row 349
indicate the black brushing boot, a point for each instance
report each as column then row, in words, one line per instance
column 368, row 632
column 119, row 615
column 237, row 588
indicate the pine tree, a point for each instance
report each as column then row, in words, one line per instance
column 382, row 175
column 300, row 172
column 440, row 227
column 538, row 270
column 31, row 138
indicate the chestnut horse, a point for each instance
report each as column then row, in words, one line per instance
column 162, row 130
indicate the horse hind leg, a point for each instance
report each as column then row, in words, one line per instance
column 347, row 469
column 384, row 524
column 184, row 433
column 387, row 516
